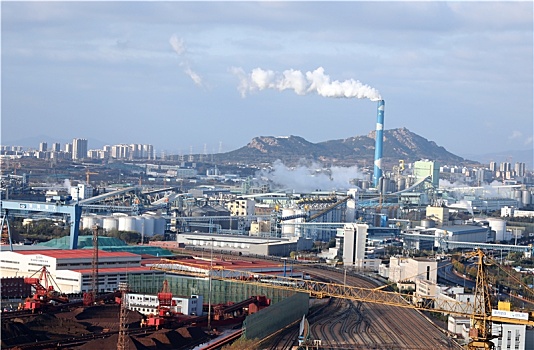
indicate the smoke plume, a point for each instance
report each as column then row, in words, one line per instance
column 303, row 83
column 308, row 178
column 179, row 47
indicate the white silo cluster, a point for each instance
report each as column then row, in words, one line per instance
column 146, row 224
column 291, row 227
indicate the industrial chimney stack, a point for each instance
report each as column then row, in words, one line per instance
column 379, row 138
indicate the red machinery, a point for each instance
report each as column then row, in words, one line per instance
column 45, row 294
column 165, row 305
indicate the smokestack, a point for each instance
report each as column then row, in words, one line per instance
column 379, row 138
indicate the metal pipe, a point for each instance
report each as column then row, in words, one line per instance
column 379, row 138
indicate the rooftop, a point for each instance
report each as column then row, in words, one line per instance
column 76, row 253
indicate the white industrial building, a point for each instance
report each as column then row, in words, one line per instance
column 353, row 238
column 81, row 191
column 148, row 304
column 246, row 244
column 403, row 269
column 72, row 269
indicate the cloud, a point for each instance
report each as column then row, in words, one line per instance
column 178, row 44
column 516, row 135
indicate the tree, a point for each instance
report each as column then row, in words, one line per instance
column 242, row 344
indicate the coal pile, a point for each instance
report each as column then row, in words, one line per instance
column 181, row 338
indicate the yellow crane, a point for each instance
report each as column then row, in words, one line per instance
column 87, row 175
column 480, row 313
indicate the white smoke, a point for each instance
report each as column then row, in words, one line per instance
column 303, row 83
column 66, row 184
column 178, row 44
column 459, row 190
column 304, row 178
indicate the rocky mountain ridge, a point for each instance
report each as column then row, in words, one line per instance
column 398, row 144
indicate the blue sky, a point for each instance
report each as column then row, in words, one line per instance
column 179, row 74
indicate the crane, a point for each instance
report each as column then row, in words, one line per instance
column 87, row 175
column 44, row 290
column 480, row 313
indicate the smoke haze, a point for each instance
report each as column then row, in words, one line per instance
column 303, row 83
column 305, row 178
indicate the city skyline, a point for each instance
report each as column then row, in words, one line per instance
column 178, row 75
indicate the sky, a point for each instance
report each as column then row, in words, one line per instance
column 210, row 76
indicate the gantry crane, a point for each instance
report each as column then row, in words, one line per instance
column 480, row 313
column 44, row 291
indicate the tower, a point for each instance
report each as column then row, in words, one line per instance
column 379, row 139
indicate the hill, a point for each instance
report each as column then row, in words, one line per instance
column 359, row 150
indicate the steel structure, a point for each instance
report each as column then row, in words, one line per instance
column 445, row 244
column 74, row 211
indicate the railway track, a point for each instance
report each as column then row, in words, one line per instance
column 367, row 326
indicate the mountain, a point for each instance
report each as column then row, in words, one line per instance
column 398, row 144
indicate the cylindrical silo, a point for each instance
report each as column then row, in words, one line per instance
column 499, row 226
column 526, row 197
column 127, row 223
column 288, row 229
column 159, row 225
column 110, row 224
column 89, row 221
column 140, row 225
column 149, row 225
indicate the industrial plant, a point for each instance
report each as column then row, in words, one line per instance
column 230, row 255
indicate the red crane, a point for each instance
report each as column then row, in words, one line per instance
column 44, row 290
column 164, row 307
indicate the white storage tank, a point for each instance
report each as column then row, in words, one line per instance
column 140, row 225
column 159, row 225
column 149, row 225
column 526, row 197
column 127, row 223
column 499, row 226
column 288, row 227
column 90, row 220
column 110, row 224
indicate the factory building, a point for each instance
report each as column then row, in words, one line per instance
column 439, row 215
column 241, row 207
column 353, row 243
column 72, row 269
column 424, row 168
column 246, row 244
column 147, row 304
column 81, row 191
column 465, row 233
column 412, row 269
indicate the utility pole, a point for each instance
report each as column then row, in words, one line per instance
column 209, row 287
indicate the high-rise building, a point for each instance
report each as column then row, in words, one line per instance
column 79, row 148
column 519, row 169
column 56, row 147
column 493, row 166
column 43, row 146
column 68, row 148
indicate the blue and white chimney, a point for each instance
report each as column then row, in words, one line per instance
column 379, row 138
